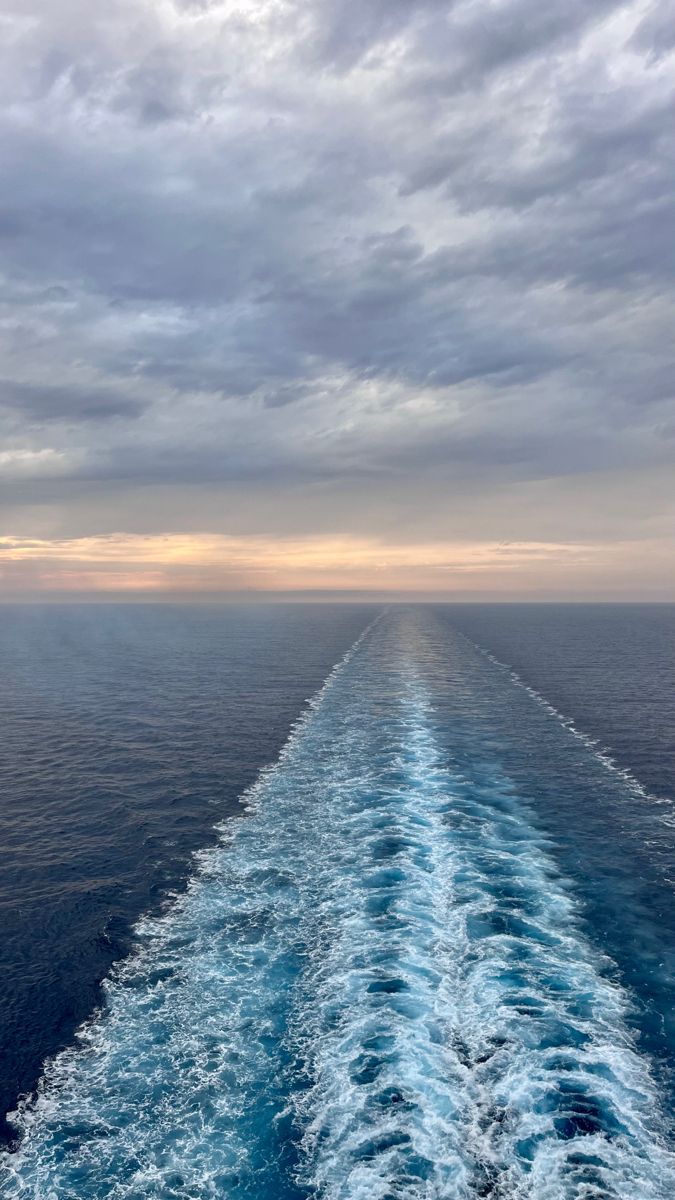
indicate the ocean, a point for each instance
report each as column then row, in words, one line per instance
column 128, row 731
column 430, row 954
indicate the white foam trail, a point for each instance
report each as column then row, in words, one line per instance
column 385, row 1111
column 496, row 1060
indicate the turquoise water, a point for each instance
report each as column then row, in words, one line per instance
column 391, row 979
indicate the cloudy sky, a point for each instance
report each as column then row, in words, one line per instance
column 338, row 294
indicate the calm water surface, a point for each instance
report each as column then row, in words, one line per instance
column 436, row 957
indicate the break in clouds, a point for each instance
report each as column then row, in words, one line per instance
column 328, row 265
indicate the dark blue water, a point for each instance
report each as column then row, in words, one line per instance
column 610, row 668
column 126, row 733
column 434, row 959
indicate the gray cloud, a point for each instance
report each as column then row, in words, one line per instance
column 352, row 242
column 55, row 402
column 655, row 33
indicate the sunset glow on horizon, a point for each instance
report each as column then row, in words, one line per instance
column 207, row 563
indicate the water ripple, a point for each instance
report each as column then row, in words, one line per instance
column 377, row 988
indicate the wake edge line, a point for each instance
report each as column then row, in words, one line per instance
column 249, row 797
column 146, row 925
column 602, row 753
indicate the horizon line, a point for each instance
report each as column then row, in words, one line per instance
column 316, row 596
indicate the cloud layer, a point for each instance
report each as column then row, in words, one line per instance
column 307, row 267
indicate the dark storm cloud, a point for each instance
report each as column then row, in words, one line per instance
column 336, row 240
column 53, row 402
